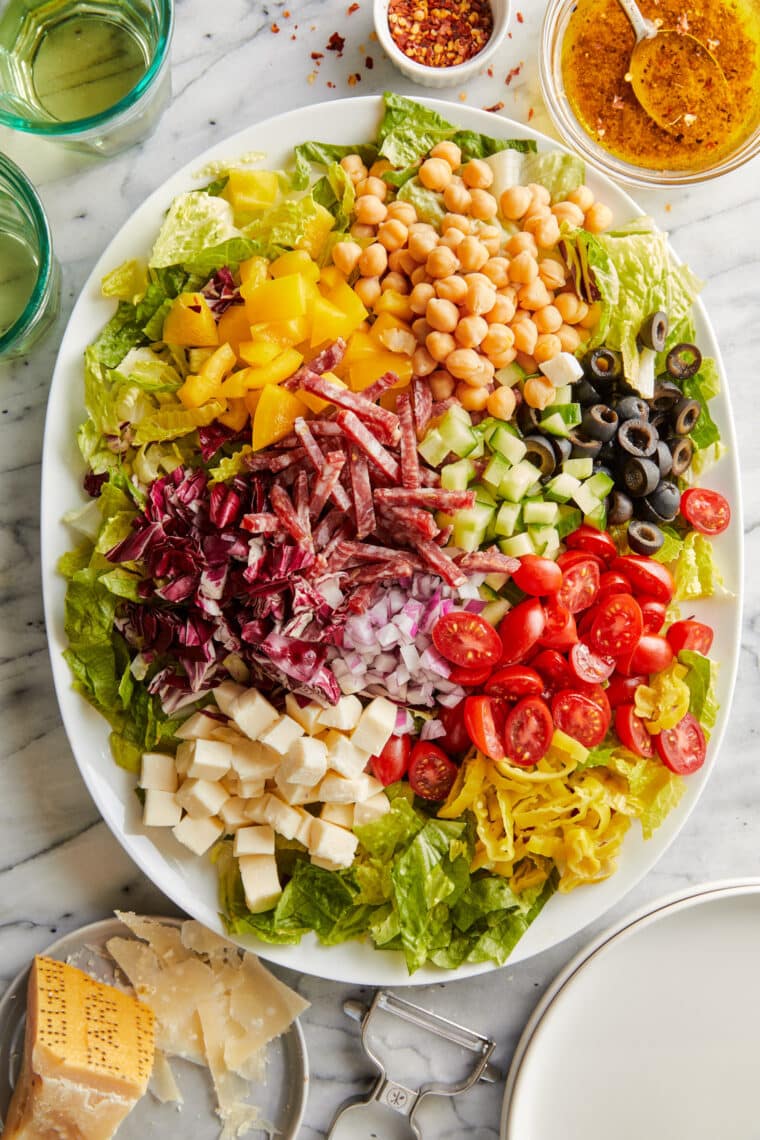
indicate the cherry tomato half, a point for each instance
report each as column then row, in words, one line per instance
column 580, row 717
column 683, row 748
column 647, row 576
column 652, row 654
column 537, row 576
column 611, row 582
column 690, row 634
column 470, row 678
column 707, row 511
column 431, row 772
column 457, row 739
column 589, row 666
column 632, row 731
column 616, row 626
column 520, row 629
column 511, row 682
column 580, row 584
column 653, row 614
column 483, row 718
column 528, row 731
column 559, row 626
column 592, row 541
column 622, row 690
column 466, row 639
column 393, row 762
column 596, row 694
column 553, row 669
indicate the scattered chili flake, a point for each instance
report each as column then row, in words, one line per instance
column 373, row 36
column 462, row 96
column 489, row 72
column 440, row 33
column 354, row 79
column 275, row 28
column 369, row 63
column 351, row 9
column 496, row 107
column 336, row 42
column 330, row 84
column 668, row 207
column 531, row 113
column 520, row 18
column 286, row 14
column 513, row 73
column 293, row 37
column 317, row 55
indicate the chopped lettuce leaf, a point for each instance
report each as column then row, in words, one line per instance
column 337, row 194
column 195, row 222
column 703, row 460
column 127, row 282
column 475, row 145
column 289, row 225
column 428, row 203
column 326, row 154
column 695, row 572
column 408, row 130
column 174, row 420
column 703, row 386
column 701, row 680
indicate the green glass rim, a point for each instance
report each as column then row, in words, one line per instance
column 50, row 128
column 18, row 182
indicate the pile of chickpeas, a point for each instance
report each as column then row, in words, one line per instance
column 481, row 298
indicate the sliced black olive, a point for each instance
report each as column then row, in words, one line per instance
column 528, row 419
column 583, row 445
column 584, row 392
column 562, row 448
column 637, row 437
column 683, row 361
column 609, row 454
column 665, row 500
column 600, row 422
column 604, row 364
column 540, row 453
column 619, row 508
column 644, row 537
column 685, row 415
column 663, row 457
column 661, row 422
column 654, row 331
column 640, row 476
column 632, row 408
column 666, row 396
column 681, row 450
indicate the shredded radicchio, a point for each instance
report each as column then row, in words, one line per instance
column 221, row 291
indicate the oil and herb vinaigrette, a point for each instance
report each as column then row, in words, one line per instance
column 596, row 58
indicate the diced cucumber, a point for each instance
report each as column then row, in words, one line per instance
column 506, row 442
column 598, row 517
column 558, row 419
column 494, row 611
column 460, row 413
column 433, row 448
column 457, row 433
column 456, row 476
column 479, row 449
column 495, row 581
column 563, row 395
column 600, row 485
column 518, row 481
column 517, row 546
column 561, row 488
column 470, row 527
column 586, row 500
column 579, row 468
column 484, row 495
column 510, row 375
column 545, row 540
column 507, row 518
column 487, row 427
column 570, row 518
column 540, row 513
column 497, row 468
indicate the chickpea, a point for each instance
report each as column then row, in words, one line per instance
column 538, row 392
column 442, row 262
column 548, row 319
column 458, row 221
column 568, row 212
column 370, row 211
column 598, row 217
column 456, row 197
column 440, row 345
column 504, row 358
column 393, row 234
column 502, row 403
column 525, row 334
column 373, row 260
column 503, row 310
column 547, row 233
column 470, row 331
column 472, row 254
column 572, row 309
column 522, row 243
column 406, row 263
column 480, row 298
column 345, row 255
column 422, row 362
column 536, row 218
column 523, row 268
column 368, row 291
column 354, row 167
column 534, row 296
column 477, row 173
column 398, row 340
column 492, row 238
column 472, row 399
column 453, row 238
column 402, row 212
column 371, row 185
column 449, row 152
column 419, row 227
column 419, row 297
column 442, row 384
column 569, row 337
column 362, row 233
column 483, row 378
column 483, row 205
column 453, row 288
column 379, row 167
column 539, row 193
column 498, row 340
column 421, row 245
column 552, row 273
column 398, row 282
column 582, row 197
column 496, row 269
column 464, row 363
column 514, row 202
column 394, row 260
column 419, row 274
column 547, row 347
column 592, row 317
column 435, row 174
column 421, row 329
column 442, row 315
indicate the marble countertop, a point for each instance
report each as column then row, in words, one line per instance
column 59, row 865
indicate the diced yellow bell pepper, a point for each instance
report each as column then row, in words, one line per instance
column 315, row 403
column 384, row 323
column 251, row 401
column 200, row 387
column 396, row 303
column 236, row 416
column 364, row 372
column 330, row 277
column 280, row 299
column 388, row 399
column 234, row 326
column 276, row 413
column 257, row 352
column 316, row 231
column 190, row 322
column 285, row 333
column 252, row 272
column 250, row 190
column 329, row 322
column 360, row 345
column 346, row 299
column 295, row 261
column 219, row 363
column 242, row 381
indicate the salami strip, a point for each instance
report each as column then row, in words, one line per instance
column 422, row 402
column 440, row 562
column 359, row 434
column 410, row 460
column 429, row 477
column 410, row 521
column 332, row 521
column 382, row 421
column 382, row 571
column 326, row 483
column 265, row 461
column 367, row 552
column 301, row 501
column 444, row 535
column 488, row 562
column 361, row 489
column 433, row 498
column 325, row 427
column 317, row 457
column 262, row 523
column 283, row 507
column 324, row 361
column 442, row 406
column 382, row 384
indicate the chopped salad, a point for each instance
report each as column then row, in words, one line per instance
column 384, row 578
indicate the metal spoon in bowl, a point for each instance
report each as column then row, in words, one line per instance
column 677, row 80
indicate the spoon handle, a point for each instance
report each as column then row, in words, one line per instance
column 644, row 29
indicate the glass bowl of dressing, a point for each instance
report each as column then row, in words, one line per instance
column 585, row 55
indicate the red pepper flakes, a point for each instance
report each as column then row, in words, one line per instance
column 275, row 28
column 369, row 63
column 317, row 55
column 330, row 84
column 531, row 113
column 354, row 79
column 489, row 72
column 440, row 33
column 515, row 71
column 496, row 107
column 286, row 14
column 520, row 18
column 336, row 43
column 351, row 9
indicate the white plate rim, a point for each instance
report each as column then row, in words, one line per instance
column 351, row 962
column 627, row 926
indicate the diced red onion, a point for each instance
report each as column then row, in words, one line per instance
column 432, row 730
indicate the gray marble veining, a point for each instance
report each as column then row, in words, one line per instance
column 59, row 865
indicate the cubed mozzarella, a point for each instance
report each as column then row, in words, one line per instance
column 304, row 827
column 375, row 726
column 306, row 762
column 295, row 793
column 233, row 813
column 198, row 834
column 229, row 733
column 252, row 760
column 258, row 840
column 340, row 790
column 158, row 772
column 161, row 809
column 197, row 727
column 250, row 789
column 209, row 759
column 562, row 369
column 201, row 798
column 342, row 754
column 252, row 713
column 345, row 715
column 184, row 756
column 261, row 883
column 225, row 694
column 285, row 819
column 282, row 734
column 371, row 809
column 306, row 715
column 328, row 841
column 255, row 808
column 342, row 815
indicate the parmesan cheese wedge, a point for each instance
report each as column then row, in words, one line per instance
column 88, row 1056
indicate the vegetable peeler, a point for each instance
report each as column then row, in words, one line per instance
column 370, row 1116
